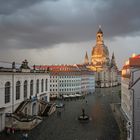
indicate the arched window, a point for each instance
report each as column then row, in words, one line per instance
column 31, row 87
column 25, row 89
column 46, row 83
column 7, row 92
column 42, row 85
column 37, row 86
column 17, row 90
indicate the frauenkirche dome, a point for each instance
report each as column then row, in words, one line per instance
column 100, row 53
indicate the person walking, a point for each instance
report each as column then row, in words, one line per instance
column 13, row 130
column 23, row 136
column 26, row 136
column 8, row 131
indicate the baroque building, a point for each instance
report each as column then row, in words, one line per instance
column 24, row 96
column 106, row 71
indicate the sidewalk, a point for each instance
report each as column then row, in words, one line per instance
column 120, row 119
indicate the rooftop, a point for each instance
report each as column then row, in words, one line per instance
column 133, row 61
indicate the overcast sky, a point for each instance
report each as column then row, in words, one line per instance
column 61, row 31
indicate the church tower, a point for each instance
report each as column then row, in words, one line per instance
column 99, row 37
column 86, row 61
column 113, row 61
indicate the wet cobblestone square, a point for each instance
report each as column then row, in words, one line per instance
column 102, row 126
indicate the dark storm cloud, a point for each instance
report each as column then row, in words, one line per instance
column 121, row 17
column 10, row 6
column 44, row 23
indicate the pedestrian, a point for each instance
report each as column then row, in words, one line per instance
column 13, row 130
column 8, row 131
column 23, row 136
column 26, row 136
column 64, row 106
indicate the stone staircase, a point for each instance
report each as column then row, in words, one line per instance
column 21, row 106
column 49, row 109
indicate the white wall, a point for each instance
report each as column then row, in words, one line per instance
column 13, row 78
column 136, row 107
column 71, row 84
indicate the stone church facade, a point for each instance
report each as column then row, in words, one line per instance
column 106, row 71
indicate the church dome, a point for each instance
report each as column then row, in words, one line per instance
column 100, row 51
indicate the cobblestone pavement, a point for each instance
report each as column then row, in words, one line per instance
column 102, row 126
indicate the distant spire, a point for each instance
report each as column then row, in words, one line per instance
column 100, row 30
column 99, row 36
column 86, row 61
column 113, row 57
column 113, row 61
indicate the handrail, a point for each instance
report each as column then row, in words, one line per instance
column 25, row 119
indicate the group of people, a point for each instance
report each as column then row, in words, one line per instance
column 10, row 131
